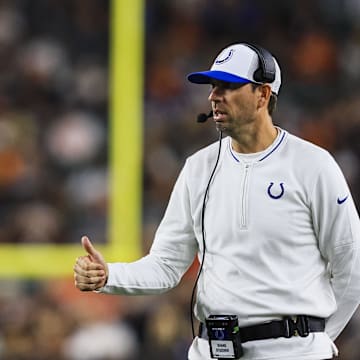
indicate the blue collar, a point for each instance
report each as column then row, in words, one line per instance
column 272, row 148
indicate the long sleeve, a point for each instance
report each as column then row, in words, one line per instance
column 337, row 225
column 171, row 254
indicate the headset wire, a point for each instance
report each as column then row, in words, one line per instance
column 203, row 235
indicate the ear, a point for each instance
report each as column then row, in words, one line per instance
column 264, row 95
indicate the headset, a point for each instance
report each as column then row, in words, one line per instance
column 264, row 74
column 267, row 69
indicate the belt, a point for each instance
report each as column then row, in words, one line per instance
column 301, row 325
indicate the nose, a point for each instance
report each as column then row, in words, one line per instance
column 214, row 94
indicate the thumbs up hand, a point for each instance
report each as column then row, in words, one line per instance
column 90, row 271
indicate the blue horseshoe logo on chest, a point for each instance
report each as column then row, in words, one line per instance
column 278, row 196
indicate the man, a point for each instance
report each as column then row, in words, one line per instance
column 271, row 219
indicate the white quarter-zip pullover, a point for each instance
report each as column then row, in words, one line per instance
column 282, row 237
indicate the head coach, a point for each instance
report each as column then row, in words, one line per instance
column 270, row 218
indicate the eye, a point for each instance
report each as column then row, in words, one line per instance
column 234, row 86
column 220, row 85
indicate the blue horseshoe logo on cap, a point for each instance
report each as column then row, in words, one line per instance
column 226, row 58
column 276, row 196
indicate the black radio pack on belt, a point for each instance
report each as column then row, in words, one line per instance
column 224, row 336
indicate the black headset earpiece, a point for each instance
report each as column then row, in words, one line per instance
column 266, row 71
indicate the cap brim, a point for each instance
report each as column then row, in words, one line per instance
column 205, row 77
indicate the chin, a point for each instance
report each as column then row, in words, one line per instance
column 221, row 127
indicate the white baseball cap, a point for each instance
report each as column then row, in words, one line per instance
column 237, row 63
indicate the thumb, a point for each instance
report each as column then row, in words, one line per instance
column 90, row 249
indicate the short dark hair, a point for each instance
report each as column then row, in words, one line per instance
column 272, row 103
column 272, row 100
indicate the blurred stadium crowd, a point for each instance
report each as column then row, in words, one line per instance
column 53, row 147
